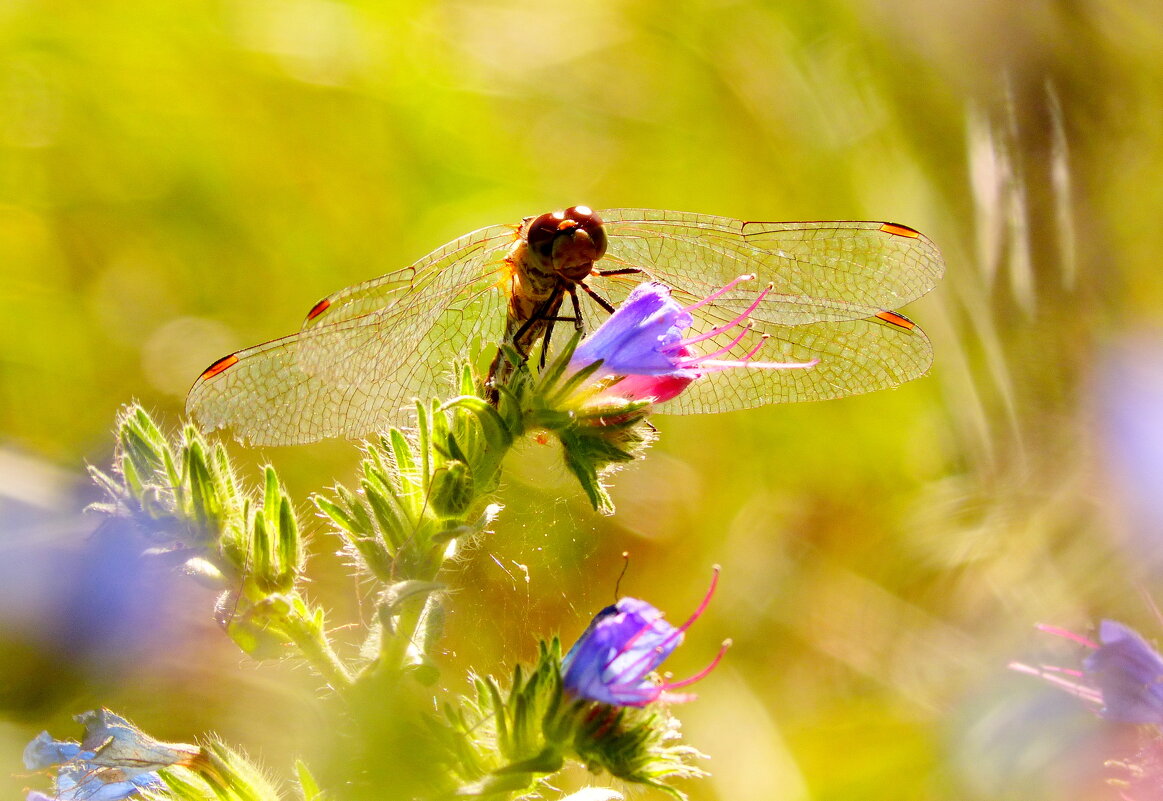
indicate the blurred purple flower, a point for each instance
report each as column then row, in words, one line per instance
column 643, row 342
column 1128, row 394
column 624, row 643
column 1123, row 675
column 1128, row 674
column 113, row 761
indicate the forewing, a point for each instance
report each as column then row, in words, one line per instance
column 355, row 368
column 818, row 270
column 376, row 293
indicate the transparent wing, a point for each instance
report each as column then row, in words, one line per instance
column 855, row 356
column 371, row 295
column 365, row 352
column 833, row 283
column 819, row 270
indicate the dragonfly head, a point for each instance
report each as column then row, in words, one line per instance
column 568, row 242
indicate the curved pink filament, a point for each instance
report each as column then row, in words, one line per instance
column 702, row 674
column 718, row 293
column 688, row 360
column 1078, row 690
column 749, row 355
column 1070, row 635
column 677, row 632
column 647, row 694
column 743, row 316
column 716, row 364
column 746, row 361
column 706, row 600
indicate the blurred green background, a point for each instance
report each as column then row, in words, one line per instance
column 181, row 179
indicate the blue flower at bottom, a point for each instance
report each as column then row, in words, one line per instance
column 612, row 660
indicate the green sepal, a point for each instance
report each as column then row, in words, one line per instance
column 308, row 787
column 452, row 489
column 233, row 777
column 395, row 595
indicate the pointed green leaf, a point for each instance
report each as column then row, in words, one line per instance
column 308, row 787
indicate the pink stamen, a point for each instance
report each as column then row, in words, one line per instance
column 677, row 632
column 723, row 364
column 672, row 685
column 706, row 600
column 696, row 359
column 1078, row 690
column 749, row 355
column 715, row 364
column 720, row 329
column 1070, row 635
column 1078, row 674
column 718, row 293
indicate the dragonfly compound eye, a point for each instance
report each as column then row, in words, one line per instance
column 589, row 223
column 542, row 232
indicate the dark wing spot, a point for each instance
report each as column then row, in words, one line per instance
column 219, row 366
column 318, row 309
column 899, row 320
column 900, row 230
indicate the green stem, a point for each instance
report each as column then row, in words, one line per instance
column 316, row 649
column 394, row 645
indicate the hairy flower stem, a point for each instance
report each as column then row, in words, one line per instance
column 315, row 648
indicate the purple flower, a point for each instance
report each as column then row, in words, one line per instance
column 1123, row 675
column 643, row 342
column 624, row 643
column 1128, row 674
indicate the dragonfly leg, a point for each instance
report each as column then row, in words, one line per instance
column 501, row 369
column 545, row 341
column 577, row 318
column 621, row 271
column 540, row 315
column 605, row 304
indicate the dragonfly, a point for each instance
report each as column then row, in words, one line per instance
column 366, row 352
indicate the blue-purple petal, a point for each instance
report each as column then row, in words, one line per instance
column 1129, row 673
column 612, row 659
column 100, row 784
column 113, row 761
column 44, row 752
column 635, row 338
